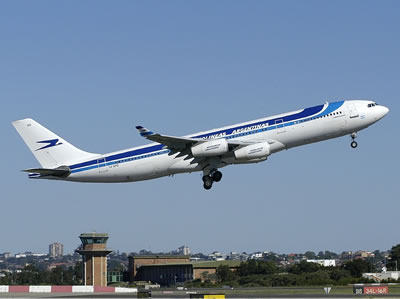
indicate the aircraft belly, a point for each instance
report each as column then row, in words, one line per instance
column 124, row 172
column 180, row 165
column 313, row 132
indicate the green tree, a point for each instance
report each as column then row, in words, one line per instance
column 266, row 268
column 317, row 278
column 338, row 274
column 310, row 255
column 357, row 267
column 252, row 267
column 330, row 255
column 224, row 274
column 394, row 257
column 304, row 267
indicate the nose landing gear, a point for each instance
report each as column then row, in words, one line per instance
column 353, row 144
column 209, row 179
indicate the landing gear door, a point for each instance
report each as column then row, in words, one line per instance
column 352, row 110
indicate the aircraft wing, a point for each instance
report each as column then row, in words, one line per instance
column 181, row 143
column 171, row 142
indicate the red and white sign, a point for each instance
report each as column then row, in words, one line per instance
column 376, row 290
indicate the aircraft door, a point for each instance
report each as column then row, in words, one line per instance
column 279, row 126
column 352, row 110
column 101, row 165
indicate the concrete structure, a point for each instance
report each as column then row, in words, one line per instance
column 378, row 277
column 56, row 250
column 94, row 258
column 135, row 262
column 173, row 270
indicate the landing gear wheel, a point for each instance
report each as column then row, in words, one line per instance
column 217, row 176
column 205, row 178
column 208, row 184
column 353, row 144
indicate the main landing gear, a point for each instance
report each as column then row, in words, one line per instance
column 213, row 176
column 353, row 143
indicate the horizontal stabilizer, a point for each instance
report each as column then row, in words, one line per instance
column 62, row 171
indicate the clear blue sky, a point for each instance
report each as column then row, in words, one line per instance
column 92, row 70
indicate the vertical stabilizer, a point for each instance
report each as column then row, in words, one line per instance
column 49, row 149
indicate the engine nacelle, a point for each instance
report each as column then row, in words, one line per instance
column 210, row 148
column 253, row 151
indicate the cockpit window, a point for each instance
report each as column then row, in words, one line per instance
column 372, row 105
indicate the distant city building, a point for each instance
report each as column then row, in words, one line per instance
column 346, row 255
column 256, row 256
column 235, row 256
column 324, row 263
column 56, row 250
column 7, row 255
column 183, row 250
column 28, row 253
column 217, row 256
column 362, row 254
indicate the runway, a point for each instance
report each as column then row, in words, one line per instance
column 160, row 294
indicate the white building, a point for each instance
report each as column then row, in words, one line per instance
column 256, row 256
column 324, row 263
column 378, row 277
column 217, row 256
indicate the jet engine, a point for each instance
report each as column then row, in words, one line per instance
column 210, row 148
column 253, row 151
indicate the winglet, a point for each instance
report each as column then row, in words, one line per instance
column 143, row 131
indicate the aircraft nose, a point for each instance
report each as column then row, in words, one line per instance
column 383, row 111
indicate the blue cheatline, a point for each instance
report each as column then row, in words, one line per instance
column 288, row 120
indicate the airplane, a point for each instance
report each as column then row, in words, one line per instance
column 208, row 151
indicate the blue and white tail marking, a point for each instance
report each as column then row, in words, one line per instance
column 143, row 131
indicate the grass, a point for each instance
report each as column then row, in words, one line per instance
column 318, row 290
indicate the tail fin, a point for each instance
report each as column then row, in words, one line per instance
column 48, row 148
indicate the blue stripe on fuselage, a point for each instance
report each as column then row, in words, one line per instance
column 305, row 113
column 270, row 125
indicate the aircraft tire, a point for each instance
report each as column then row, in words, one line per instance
column 208, row 184
column 353, row 144
column 217, row 176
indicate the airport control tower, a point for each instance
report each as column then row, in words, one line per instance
column 94, row 258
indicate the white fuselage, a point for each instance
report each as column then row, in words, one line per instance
column 287, row 130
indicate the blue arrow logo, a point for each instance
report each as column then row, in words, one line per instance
column 50, row 143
